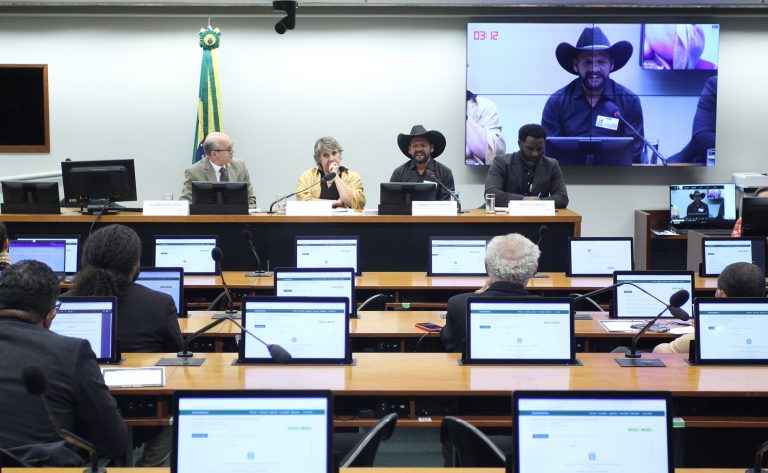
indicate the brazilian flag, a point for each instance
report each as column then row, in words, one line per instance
column 208, row 102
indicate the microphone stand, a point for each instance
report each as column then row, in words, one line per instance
column 326, row 178
column 455, row 196
column 259, row 273
column 185, row 357
column 759, row 460
column 633, row 359
column 276, row 352
column 647, row 143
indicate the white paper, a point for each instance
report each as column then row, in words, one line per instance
column 166, row 207
column 308, row 208
column 532, row 207
column 436, row 208
column 134, row 377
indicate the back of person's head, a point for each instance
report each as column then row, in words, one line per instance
column 534, row 130
column 110, row 259
column 28, row 289
column 511, row 258
column 742, row 280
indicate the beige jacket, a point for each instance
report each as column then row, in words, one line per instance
column 312, row 176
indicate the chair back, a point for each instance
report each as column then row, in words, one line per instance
column 465, row 446
column 364, row 453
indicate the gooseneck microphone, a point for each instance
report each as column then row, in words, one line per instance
column 276, row 352
column 259, row 273
column 185, row 357
column 218, row 256
column 543, row 230
column 431, row 175
column 36, row 384
column 617, row 114
column 328, row 177
column 758, row 468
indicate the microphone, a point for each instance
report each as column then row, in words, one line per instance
column 36, row 384
column 758, row 468
column 617, row 114
column 259, row 273
column 328, row 177
column 431, row 175
column 186, row 357
column 218, row 256
column 543, row 230
column 276, row 352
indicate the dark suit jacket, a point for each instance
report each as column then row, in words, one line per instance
column 76, row 392
column 505, row 179
column 147, row 321
column 454, row 333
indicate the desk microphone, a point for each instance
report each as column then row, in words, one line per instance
column 259, row 273
column 218, row 256
column 36, row 384
column 617, row 114
column 431, row 175
column 276, row 352
column 328, row 177
column 543, row 230
column 758, row 468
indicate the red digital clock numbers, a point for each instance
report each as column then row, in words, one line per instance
column 486, row 35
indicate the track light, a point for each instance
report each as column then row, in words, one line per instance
column 289, row 22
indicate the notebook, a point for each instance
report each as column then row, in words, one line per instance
column 317, row 282
column 191, row 253
column 599, row 257
column 91, row 318
column 246, row 430
column 72, row 253
column 629, row 302
column 731, row 330
column 523, row 330
column 314, row 330
column 457, row 256
column 600, row 431
column 717, row 253
column 166, row 280
column 51, row 252
column 327, row 252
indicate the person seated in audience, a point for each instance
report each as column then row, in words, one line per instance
column 345, row 190
column 736, row 232
column 510, row 261
column 736, row 280
column 76, row 392
column 5, row 258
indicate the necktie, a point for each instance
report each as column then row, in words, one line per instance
column 223, row 175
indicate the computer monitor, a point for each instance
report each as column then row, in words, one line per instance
column 754, row 216
column 327, row 252
column 193, row 253
column 97, row 184
column 731, row 330
column 717, row 253
column 228, row 198
column 72, row 249
column 246, row 430
column 21, row 197
column 527, row 330
column 166, row 280
column 52, row 252
column 605, row 431
column 317, row 282
column 457, row 256
column 591, row 150
column 90, row 318
column 629, row 302
column 395, row 197
column 599, row 256
column 702, row 206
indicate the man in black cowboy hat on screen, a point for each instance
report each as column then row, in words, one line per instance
column 423, row 147
column 591, row 104
column 697, row 208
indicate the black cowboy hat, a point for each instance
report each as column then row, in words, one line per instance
column 696, row 193
column 418, row 131
column 593, row 39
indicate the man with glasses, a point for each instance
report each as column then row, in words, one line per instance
column 218, row 165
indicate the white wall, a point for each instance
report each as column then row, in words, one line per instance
column 126, row 87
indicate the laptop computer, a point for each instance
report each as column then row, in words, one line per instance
column 717, row 253
column 327, row 252
column 91, row 318
column 599, row 257
column 317, row 282
column 166, row 280
column 629, row 302
column 457, row 256
column 522, row 330
column 702, row 206
column 191, row 253
column 246, row 430
column 731, row 330
column 314, row 330
column 51, row 252
column 72, row 258
column 605, row 431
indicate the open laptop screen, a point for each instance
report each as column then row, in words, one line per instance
column 732, row 330
column 579, row 431
column 599, row 257
column 51, row 252
column 252, row 431
column 327, row 252
column 720, row 252
column 166, row 280
column 191, row 253
column 316, row 282
column 630, row 302
column 519, row 330
column 457, row 256
column 91, row 318
column 71, row 253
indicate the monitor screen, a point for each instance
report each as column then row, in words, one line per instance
column 754, row 216
column 252, row 431
column 702, row 205
column 311, row 329
column 191, row 253
column 720, row 252
column 327, row 252
column 519, row 330
column 71, row 252
column 51, row 252
column 315, row 282
column 732, row 329
column 91, row 318
column 606, row 432
column 600, row 257
column 219, row 198
column 395, row 197
column 457, row 256
column 30, row 197
column 630, row 302
column 114, row 180
column 166, row 280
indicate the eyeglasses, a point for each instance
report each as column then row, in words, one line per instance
column 230, row 149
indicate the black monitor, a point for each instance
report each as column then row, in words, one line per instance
column 30, row 198
column 754, row 216
column 230, row 198
column 396, row 197
column 591, row 150
column 96, row 185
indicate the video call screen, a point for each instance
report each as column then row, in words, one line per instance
column 702, row 203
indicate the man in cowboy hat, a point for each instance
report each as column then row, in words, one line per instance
column 697, row 208
column 422, row 147
column 593, row 104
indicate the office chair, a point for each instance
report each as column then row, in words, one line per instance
column 466, row 447
column 375, row 302
column 364, row 453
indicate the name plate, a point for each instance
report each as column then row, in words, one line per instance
column 308, row 208
column 133, row 377
column 436, row 208
column 532, row 207
column 166, row 207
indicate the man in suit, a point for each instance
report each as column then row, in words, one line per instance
column 510, row 261
column 78, row 397
column 527, row 174
column 218, row 165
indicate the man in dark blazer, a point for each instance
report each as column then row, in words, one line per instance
column 527, row 174
column 218, row 165
column 78, row 397
column 510, row 261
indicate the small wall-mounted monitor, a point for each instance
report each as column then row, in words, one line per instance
column 395, row 197
column 20, row 197
column 216, row 198
column 97, row 185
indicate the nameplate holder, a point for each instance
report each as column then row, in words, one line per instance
column 531, row 207
column 308, row 208
column 434, row 208
column 166, row 207
column 133, row 377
